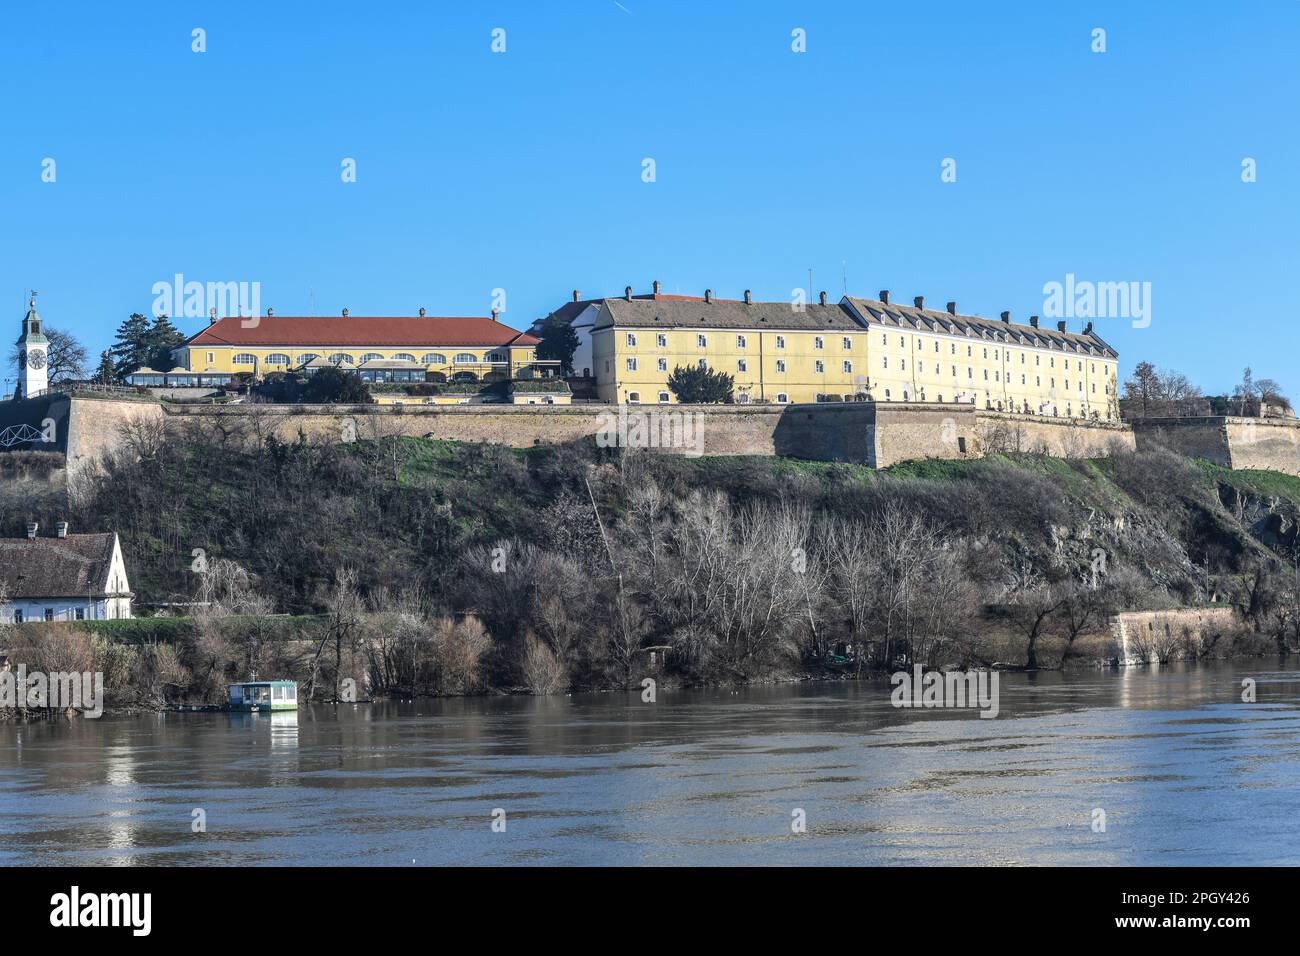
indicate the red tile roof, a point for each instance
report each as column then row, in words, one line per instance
column 359, row 330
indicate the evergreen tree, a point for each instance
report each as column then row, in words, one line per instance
column 694, row 385
column 130, row 348
column 161, row 338
column 559, row 341
column 105, row 374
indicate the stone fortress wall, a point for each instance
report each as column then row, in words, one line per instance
column 1238, row 443
column 874, row 434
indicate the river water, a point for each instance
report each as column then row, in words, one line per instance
column 1184, row 771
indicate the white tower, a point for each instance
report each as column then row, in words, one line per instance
column 33, row 355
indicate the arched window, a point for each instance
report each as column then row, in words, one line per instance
column 370, row 357
column 664, row 398
column 405, row 357
column 782, row 397
column 342, row 358
column 464, row 358
column 309, row 357
column 742, row 398
column 494, row 357
column 244, row 358
column 464, row 377
column 433, row 358
column 276, row 358
column 634, row 398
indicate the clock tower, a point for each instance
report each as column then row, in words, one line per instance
column 33, row 355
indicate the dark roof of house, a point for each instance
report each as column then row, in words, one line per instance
column 674, row 311
column 55, row 567
column 356, row 331
column 930, row 320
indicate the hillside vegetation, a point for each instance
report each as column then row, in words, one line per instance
column 434, row 566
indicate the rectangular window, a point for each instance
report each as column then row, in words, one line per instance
column 780, row 341
column 80, row 614
column 663, row 365
column 631, row 340
column 847, row 343
column 819, row 367
column 631, row 365
column 18, row 617
column 661, row 340
column 780, row 365
column 848, row 368
column 742, row 366
column 884, row 361
column 49, row 614
column 817, row 342
column 701, row 342
column 740, row 341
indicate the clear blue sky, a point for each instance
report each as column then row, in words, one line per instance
column 522, row 170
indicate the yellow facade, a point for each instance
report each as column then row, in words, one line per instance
column 506, row 361
column 633, row 364
column 933, row 367
column 920, row 357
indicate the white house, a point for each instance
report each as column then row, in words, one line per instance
column 67, row 577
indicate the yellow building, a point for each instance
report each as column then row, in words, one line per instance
column 774, row 351
column 919, row 354
column 855, row 350
column 431, row 348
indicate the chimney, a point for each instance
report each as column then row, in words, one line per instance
column 1033, row 321
column 61, row 529
column 345, row 313
column 212, row 316
column 576, row 296
column 627, row 293
column 1006, row 317
column 494, row 316
column 1060, row 326
column 821, row 298
column 919, row 302
column 270, row 313
column 749, row 299
column 32, row 528
column 952, row 308
column 708, row 295
column 656, row 286
column 422, row 312
column 1087, row 329
column 884, row 296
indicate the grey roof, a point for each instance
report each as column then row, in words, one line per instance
column 929, row 320
column 683, row 312
column 74, row 566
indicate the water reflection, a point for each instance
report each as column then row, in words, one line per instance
column 1186, row 772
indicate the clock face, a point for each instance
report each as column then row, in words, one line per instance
column 36, row 358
